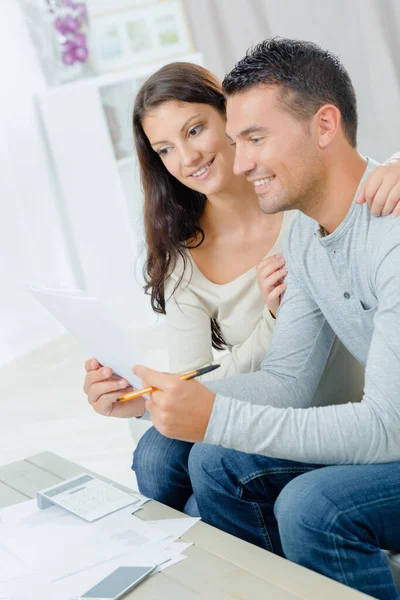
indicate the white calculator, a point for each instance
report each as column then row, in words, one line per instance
column 86, row 496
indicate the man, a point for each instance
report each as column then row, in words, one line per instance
column 292, row 114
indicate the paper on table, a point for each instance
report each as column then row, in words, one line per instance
column 179, row 547
column 141, row 500
column 11, row 567
column 174, row 528
column 65, row 555
column 58, row 543
column 74, row 585
column 172, row 561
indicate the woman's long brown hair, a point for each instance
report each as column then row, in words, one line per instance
column 171, row 210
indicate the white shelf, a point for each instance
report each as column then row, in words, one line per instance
column 114, row 77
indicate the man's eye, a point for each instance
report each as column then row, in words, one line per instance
column 255, row 140
column 233, row 144
column 195, row 130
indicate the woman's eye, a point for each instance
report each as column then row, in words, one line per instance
column 163, row 151
column 195, row 130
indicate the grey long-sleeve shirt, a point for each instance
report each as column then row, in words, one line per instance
column 348, row 284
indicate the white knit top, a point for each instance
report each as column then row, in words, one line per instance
column 245, row 322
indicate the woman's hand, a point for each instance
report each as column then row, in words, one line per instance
column 103, row 388
column 381, row 189
column 271, row 272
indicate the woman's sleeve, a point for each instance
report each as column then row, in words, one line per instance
column 189, row 329
column 190, row 343
column 246, row 356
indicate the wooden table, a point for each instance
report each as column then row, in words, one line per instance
column 219, row 567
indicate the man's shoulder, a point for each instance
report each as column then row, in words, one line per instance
column 383, row 233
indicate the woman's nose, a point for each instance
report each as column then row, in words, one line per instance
column 190, row 156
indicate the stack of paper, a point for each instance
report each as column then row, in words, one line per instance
column 54, row 554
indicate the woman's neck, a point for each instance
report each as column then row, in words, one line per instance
column 232, row 209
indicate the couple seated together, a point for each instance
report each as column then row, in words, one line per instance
column 271, row 237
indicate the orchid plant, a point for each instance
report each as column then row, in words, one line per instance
column 71, row 21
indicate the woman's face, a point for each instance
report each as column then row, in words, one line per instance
column 190, row 140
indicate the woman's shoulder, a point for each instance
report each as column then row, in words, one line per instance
column 180, row 277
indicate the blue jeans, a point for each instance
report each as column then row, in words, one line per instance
column 161, row 468
column 333, row 520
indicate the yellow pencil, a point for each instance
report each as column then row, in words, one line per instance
column 184, row 376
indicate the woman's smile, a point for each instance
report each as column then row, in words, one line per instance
column 203, row 172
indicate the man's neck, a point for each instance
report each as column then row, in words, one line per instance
column 340, row 185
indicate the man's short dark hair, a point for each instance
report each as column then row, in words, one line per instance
column 308, row 76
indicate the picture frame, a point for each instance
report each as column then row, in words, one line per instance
column 139, row 35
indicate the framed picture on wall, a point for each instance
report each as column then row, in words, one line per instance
column 138, row 35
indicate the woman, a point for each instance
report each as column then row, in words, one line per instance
column 205, row 234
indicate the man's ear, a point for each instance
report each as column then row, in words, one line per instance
column 327, row 123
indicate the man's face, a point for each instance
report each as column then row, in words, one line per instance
column 277, row 152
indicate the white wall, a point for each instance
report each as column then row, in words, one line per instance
column 364, row 33
column 32, row 244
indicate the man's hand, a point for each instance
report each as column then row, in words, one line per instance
column 179, row 409
column 381, row 189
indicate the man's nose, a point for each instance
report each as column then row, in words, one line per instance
column 243, row 163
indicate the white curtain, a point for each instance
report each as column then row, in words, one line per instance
column 364, row 33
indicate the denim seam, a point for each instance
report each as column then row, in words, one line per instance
column 263, row 527
column 260, row 520
column 344, row 512
column 276, row 471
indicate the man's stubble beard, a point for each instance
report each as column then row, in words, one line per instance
column 304, row 198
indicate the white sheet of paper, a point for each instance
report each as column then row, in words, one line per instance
column 59, row 543
column 54, row 554
column 174, row 528
column 71, row 587
column 93, row 325
column 11, row 567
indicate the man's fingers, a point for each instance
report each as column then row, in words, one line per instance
column 154, row 378
column 149, row 405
